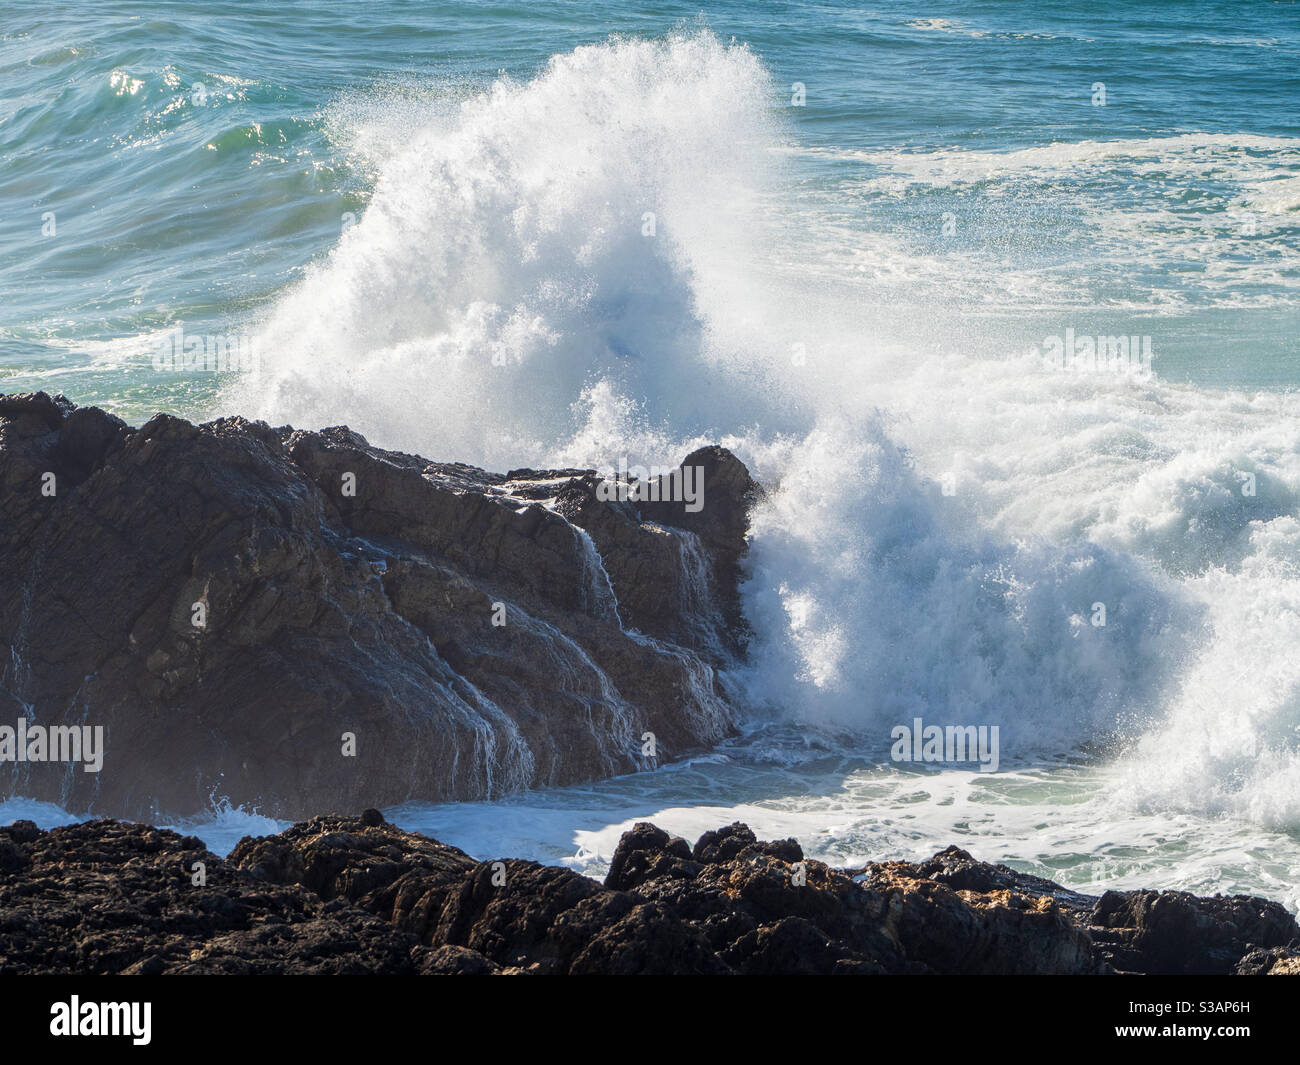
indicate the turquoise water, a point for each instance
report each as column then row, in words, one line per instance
column 838, row 240
column 197, row 205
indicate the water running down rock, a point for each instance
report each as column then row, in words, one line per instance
column 289, row 620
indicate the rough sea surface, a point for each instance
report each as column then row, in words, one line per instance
column 841, row 241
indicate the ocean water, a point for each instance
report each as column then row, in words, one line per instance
column 841, row 241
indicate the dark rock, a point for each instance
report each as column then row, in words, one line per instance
column 787, row 850
column 341, row 895
column 507, row 911
column 110, row 897
column 347, row 654
column 796, row 946
column 646, row 852
column 723, row 844
column 12, row 858
column 347, row 858
column 1277, row 961
column 1174, row 932
column 647, row 940
column 21, row 831
column 453, row 961
column 661, row 589
column 994, row 932
column 721, row 524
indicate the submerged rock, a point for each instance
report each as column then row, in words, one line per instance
column 296, row 621
column 341, row 894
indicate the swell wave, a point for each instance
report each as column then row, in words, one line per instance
column 603, row 261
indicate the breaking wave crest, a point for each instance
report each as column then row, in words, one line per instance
column 603, row 261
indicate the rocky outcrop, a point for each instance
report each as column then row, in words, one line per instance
column 1174, row 932
column 110, row 897
column 671, row 586
column 1168, row 932
column 297, row 621
column 339, row 894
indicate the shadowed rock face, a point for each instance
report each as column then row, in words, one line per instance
column 229, row 600
column 341, row 894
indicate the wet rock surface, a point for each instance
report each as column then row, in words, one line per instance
column 296, row 621
column 357, row 895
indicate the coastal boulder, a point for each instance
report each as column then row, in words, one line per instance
column 298, row 621
column 1175, row 932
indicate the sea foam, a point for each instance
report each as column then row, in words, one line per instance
column 607, row 260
